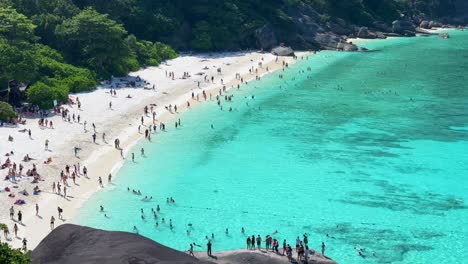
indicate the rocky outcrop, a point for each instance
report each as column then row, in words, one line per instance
column 444, row 35
column 425, row 24
column 265, row 37
column 381, row 26
column 344, row 46
column 309, row 32
column 263, row 257
column 363, row 33
column 283, row 51
column 403, row 27
column 72, row 244
column 339, row 27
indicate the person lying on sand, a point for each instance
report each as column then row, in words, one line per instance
column 27, row 158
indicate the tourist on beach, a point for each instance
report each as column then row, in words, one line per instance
column 284, row 247
column 6, row 232
column 46, row 144
column 20, row 217
column 191, row 250
column 306, row 253
column 25, row 243
column 52, row 222
column 248, row 242
column 60, row 211
column 12, row 212
column 109, row 178
column 259, row 241
column 37, row 209
column 15, row 230
column 208, row 250
column 100, row 182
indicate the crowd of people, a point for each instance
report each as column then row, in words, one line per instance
column 72, row 113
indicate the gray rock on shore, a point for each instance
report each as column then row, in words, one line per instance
column 403, row 27
column 283, row 51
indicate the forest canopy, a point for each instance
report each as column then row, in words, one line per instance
column 68, row 45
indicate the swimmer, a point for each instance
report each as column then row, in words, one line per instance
column 102, row 208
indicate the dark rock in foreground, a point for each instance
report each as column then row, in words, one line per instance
column 260, row 257
column 72, row 244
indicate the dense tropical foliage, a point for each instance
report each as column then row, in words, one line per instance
column 6, row 111
column 57, row 48
column 67, row 45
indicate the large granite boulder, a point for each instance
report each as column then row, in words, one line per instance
column 434, row 24
column 265, row 37
column 282, row 51
column 425, row 24
column 363, row 33
column 382, row 26
column 72, row 244
column 403, row 27
column 346, row 46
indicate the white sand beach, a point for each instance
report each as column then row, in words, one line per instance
column 120, row 121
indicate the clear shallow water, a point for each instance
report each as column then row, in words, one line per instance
column 333, row 151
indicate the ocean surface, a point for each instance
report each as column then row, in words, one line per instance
column 369, row 148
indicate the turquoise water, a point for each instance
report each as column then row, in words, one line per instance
column 370, row 148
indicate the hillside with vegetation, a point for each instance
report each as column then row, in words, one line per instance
column 55, row 47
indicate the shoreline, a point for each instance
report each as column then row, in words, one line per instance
column 102, row 159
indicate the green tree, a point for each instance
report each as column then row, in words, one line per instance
column 43, row 95
column 6, row 112
column 14, row 26
column 16, row 62
column 93, row 40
